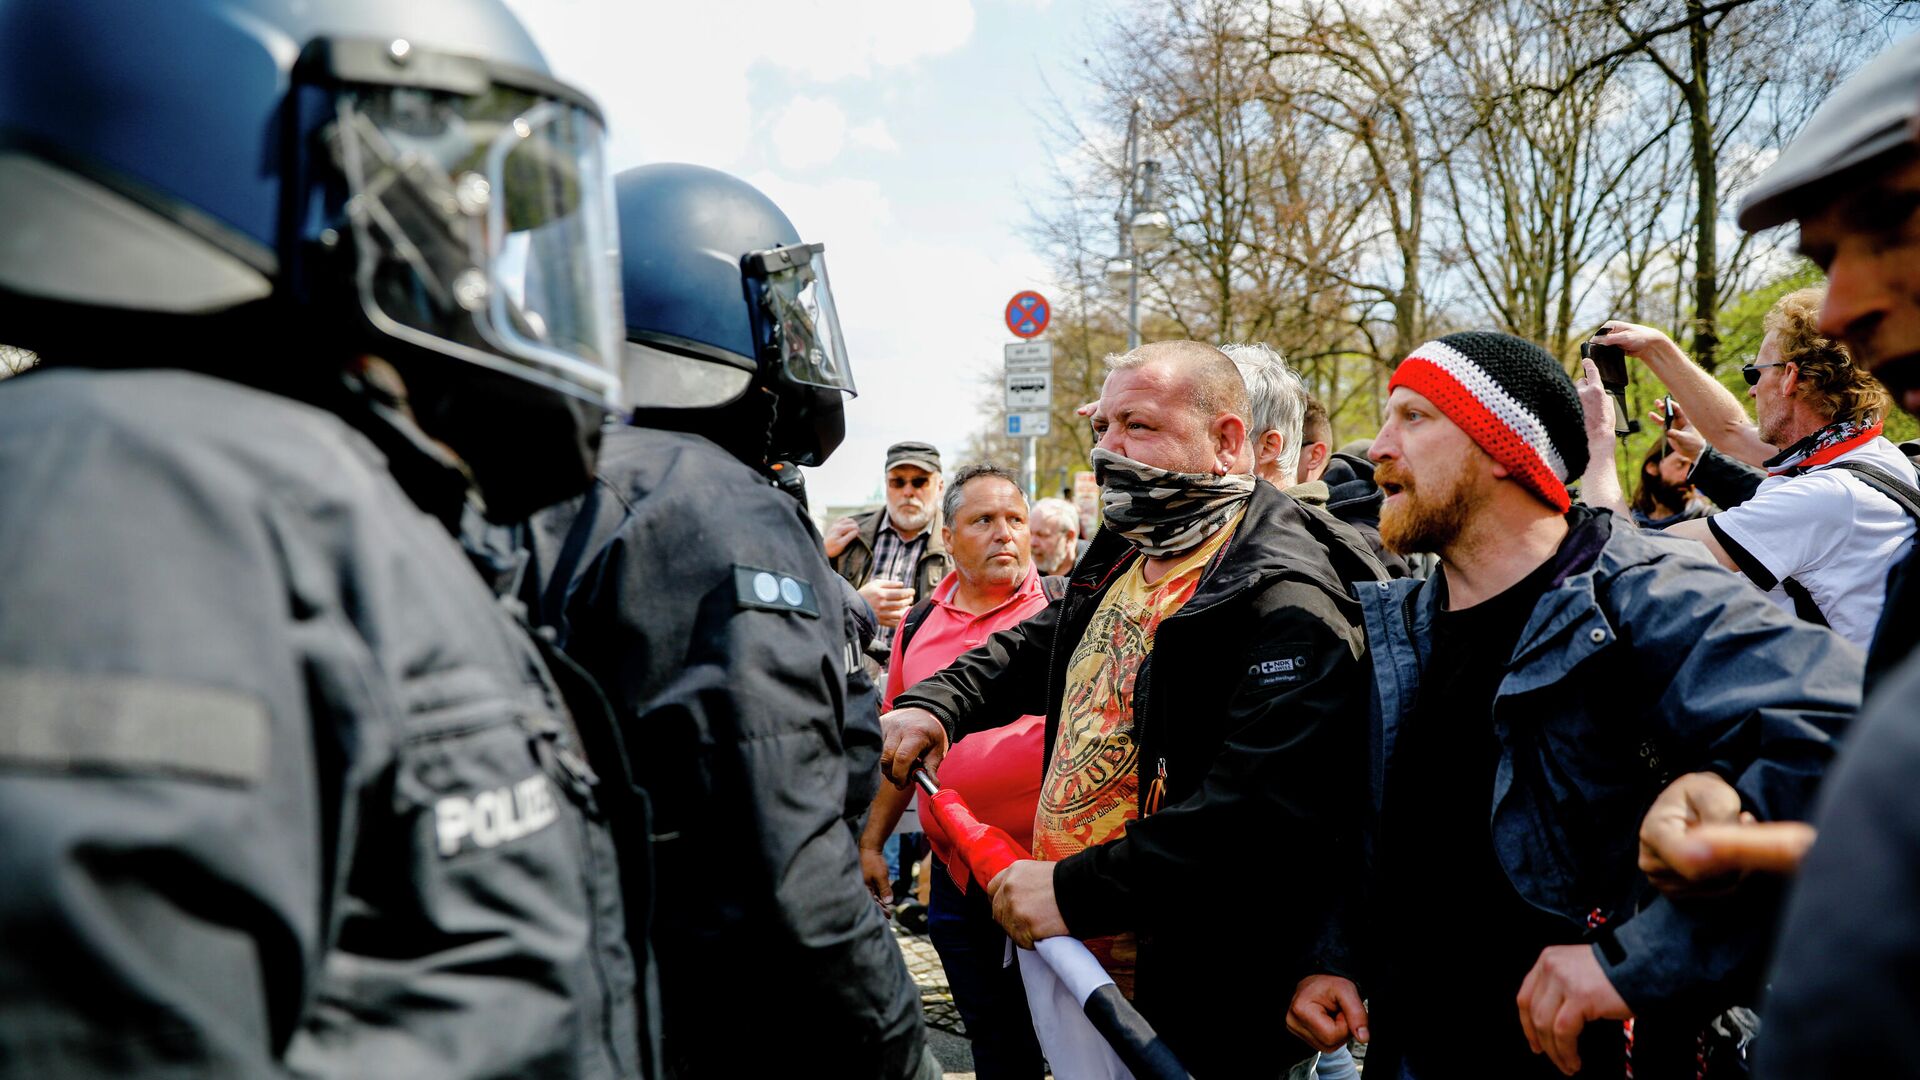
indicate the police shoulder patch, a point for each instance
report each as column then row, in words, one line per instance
column 755, row 589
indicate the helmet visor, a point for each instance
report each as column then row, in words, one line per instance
column 794, row 308
column 484, row 229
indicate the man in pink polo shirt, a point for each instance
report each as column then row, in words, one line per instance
column 992, row 586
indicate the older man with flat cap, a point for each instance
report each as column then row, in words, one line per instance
column 1846, row 981
column 894, row 554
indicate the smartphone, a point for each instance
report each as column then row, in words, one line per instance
column 1611, row 360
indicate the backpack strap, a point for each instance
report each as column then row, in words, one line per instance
column 912, row 622
column 1903, row 495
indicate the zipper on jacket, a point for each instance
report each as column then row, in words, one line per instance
column 1156, row 791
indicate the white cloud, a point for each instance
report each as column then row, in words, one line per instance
column 874, row 136
column 808, row 133
column 675, row 79
column 689, row 83
column 922, row 322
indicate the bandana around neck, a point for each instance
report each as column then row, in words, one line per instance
column 1163, row 512
column 1823, row 446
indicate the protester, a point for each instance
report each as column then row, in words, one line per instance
column 1278, row 401
column 1316, row 441
column 1843, row 993
column 1664, row 496
column 1720, row 479
column 994, row 585
column 1527, row 700
column 1055, row 533
column 284, row 789
column 1817, row 536
column 693, row 589
column 894, row 555
column 1198, row 679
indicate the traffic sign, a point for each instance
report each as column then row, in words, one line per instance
column 1038, row 353
column 1028, row 314
column 1029, row 425
column 1029, row 389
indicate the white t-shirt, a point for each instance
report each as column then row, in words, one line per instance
column 1831, row 532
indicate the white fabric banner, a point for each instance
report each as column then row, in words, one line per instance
column 1060, row 974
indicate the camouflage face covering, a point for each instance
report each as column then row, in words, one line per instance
column 1164, row 512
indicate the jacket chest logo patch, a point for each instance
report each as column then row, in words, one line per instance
column 1278, row 671
column 755, row 589
column 494, row 817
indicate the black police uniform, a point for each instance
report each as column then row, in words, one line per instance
column 697, row 594
column 282, row 788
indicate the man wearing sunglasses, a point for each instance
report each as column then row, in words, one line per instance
column 1821, row 531
column 893, row 555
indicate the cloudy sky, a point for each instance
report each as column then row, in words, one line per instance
column 904, row 136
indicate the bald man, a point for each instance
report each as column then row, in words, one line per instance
column 1216, row 760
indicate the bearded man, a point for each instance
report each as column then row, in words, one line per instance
column 1665, row 495
column 1529, row 700
column 894, row 555
column 1201, row 683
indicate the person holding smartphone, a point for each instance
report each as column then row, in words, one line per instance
column 1825, row 526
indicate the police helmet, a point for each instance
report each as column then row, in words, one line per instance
column 723, row 297
column 404, row 180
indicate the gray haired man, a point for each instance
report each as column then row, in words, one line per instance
column 1278, row 400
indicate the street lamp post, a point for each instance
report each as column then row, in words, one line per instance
column 1140, row 230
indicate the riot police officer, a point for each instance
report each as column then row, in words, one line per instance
column 282, row 787
column 696, row 592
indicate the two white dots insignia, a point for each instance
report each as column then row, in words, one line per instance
column 784, row 589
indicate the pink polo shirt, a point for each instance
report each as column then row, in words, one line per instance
column 996, row 771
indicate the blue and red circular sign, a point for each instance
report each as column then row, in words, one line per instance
column 1028, row 313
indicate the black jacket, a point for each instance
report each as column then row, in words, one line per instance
column 1253, row 702
column 1354, row 498
column 282, row 788
column 696, row 593
column 1727, row 481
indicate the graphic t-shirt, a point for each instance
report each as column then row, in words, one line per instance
column 1092, row 786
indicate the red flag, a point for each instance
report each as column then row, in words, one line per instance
column 964, row 842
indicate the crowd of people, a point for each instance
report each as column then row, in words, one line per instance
column 406, row 672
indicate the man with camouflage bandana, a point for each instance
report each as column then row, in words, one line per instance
column 1202, row 683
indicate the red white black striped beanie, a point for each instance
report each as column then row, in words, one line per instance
column 1512, row 398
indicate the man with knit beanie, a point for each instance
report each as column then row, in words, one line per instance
column 1530, row 699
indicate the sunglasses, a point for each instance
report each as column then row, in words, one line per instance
column 918, row 482
column 1752, row 371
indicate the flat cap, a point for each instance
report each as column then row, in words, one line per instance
column 1866, row 116
column 914, row 453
